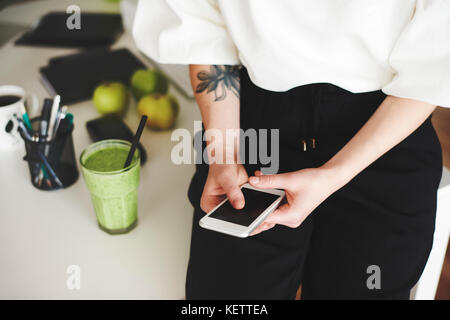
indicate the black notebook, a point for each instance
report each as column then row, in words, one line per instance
column 96, row 30
column 75, row 77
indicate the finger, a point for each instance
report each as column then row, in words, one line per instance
column 234, row 194
column 209, row 202
column 282, row 215
column 262, row 227
column 258, row 173
column 271, row 181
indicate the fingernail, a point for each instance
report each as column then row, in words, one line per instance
column 254, row 180
column 239, row 204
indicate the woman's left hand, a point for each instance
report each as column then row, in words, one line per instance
column 305, row 190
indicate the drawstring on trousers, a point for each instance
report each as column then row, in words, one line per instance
column 310, row 124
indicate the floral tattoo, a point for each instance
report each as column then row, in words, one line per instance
column 219, row 79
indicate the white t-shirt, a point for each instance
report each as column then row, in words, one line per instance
column 399, row 46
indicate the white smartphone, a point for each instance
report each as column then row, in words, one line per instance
column 259, row 203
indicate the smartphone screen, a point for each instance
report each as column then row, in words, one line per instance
column 255, row 204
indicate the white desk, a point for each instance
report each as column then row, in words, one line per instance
column 42, row 233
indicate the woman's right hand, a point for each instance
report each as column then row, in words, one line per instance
column 224, row 180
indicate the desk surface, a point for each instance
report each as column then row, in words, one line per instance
column 42, row 233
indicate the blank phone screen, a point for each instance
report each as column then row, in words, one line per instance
column 255, row 204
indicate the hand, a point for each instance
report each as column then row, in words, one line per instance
column 305, row 190
column 224, row 180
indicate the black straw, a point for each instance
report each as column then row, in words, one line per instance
column 135, row 141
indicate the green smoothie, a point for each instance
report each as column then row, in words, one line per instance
column 106, row 160
column 113, row 188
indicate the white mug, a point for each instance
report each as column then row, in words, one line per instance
column 17, row 97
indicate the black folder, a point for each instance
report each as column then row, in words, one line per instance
column 96, row 30
column 74, row 77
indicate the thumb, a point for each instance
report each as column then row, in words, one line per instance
column 270, row 181
column 234, row 194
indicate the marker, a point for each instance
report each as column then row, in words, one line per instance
column 69, row 117
column 45, row 117
column 43, row 131
column 64, row 125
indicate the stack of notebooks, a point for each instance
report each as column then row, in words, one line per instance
column 96, row 30
column 75, row 77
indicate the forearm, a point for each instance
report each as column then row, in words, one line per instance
column 217, row 90
column 395, row 119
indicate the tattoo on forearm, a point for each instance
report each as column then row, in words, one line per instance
column 219, row 79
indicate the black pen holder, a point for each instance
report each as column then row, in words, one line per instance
column 52, row 161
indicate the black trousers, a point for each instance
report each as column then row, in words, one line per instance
column 379, row 225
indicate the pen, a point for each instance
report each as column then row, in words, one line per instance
column 61, row 114
column 53, row 114
column 50, row 169
column 25, row 117
column 24, row 130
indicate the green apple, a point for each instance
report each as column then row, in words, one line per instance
column 161, row 110
column 110, row 98
column 144, row 82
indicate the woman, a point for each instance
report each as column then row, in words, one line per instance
column 351, row 86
